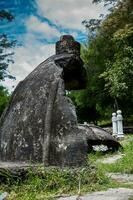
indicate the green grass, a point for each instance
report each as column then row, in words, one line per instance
column 131, row 198
column 55, row 181
column 45, row 184
column 124, row 165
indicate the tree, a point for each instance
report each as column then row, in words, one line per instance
column 118, row 75
column 5, row 59
column 5, row 44
column 6, row 15
column 119, row 72
column 4, row 98
column 118, row 28
column 108, row 58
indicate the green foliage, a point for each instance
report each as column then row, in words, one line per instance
column 123, row 165
column 131, row 198
column 84, row 108
column 108, row 58
column 5, row 59
column 5, row 48
column 4, row 98
column 6, row 15
column 118, row 74
column 51, row 182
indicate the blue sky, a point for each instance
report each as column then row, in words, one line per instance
column 38, row 25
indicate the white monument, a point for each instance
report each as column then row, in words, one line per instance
column 120, row 133
column 114, row 124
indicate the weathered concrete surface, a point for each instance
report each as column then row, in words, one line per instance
column 111, row 194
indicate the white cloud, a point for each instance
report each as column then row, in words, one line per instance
column 65, row 13
column 34, row 25
column 69, row 13
column 26, row 59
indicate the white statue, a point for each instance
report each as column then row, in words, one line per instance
column 120, row 133
column 114, row 124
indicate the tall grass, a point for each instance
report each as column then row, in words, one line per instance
column 50, row 182
column 125, row 164
column 47, row 183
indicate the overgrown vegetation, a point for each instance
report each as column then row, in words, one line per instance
column 51, row 182
column 131, row 198
column 108, row 58
column 54, row 182
column 4, row 98
column 124, row 165
column 5, row 58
